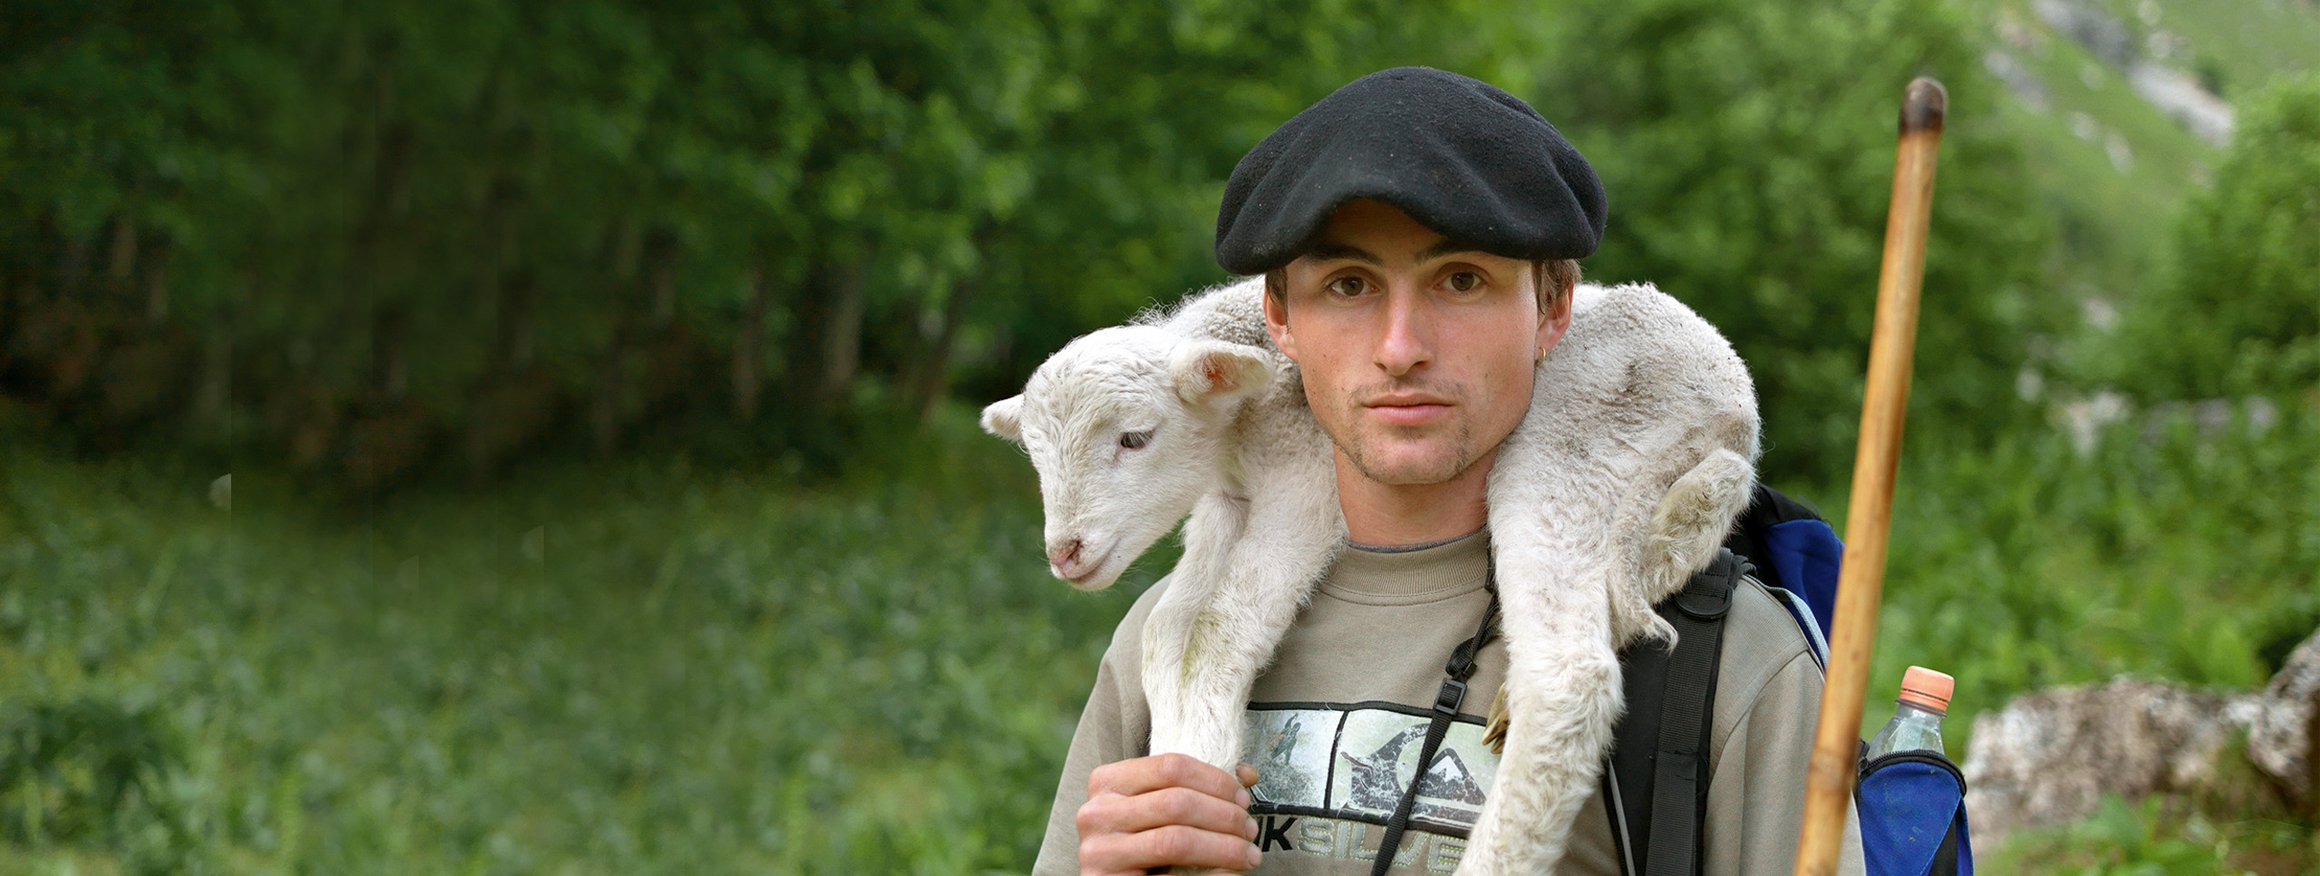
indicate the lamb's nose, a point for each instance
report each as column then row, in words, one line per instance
column 1065, row 557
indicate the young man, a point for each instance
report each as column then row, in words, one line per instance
column 1417, row 231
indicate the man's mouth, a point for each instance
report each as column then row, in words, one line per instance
column 1408, row 409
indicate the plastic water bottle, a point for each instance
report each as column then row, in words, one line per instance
column 1916, row 724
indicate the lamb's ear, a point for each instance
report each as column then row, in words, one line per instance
column 1215, row 372
column 1004, row 418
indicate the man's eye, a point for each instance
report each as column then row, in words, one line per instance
column 1465, row 281
column 1347, row 287
column 1135, row 440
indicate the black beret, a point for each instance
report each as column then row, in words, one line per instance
column 1472, row 162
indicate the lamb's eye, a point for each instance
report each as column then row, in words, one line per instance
column 1135, row 440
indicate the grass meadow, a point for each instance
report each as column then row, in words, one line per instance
column 658, row 667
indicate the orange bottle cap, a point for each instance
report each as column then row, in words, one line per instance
column 1927, row 689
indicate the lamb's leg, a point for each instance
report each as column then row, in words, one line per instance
column 1684, row 534
column 1564, row 692
column 1257, row 586
column 1294, row 529
column 1217, row 522
column 1688, row 526
column 1562, row 625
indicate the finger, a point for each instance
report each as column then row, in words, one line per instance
column 1247, row 774
column 1143, row 774
column 1113, row 813
column 1171, row 846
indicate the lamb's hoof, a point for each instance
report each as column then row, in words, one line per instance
column 1494, row 734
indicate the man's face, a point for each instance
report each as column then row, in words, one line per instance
column 1417, row 351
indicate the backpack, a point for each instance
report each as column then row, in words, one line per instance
column 1911, row 805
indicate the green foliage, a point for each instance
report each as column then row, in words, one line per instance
column 2147, row 839
column 387, row 236
column 69, row 768
column 642, row 668
column 381, row 235
column 2030, row 563
column 2240, row 310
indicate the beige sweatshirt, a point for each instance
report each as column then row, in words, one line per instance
column 1335, row 724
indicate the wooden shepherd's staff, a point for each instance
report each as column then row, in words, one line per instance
column 1836, row 744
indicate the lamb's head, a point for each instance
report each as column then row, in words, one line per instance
column 1128, row 427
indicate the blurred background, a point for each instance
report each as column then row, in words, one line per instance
column 501, row 436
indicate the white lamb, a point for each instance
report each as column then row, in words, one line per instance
column 1189, row 411
column 1619, row 484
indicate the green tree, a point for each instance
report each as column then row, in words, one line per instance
column 388, row 237
column 2239, row 310
column 1748, row 153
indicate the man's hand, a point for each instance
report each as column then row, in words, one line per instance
column 1167, row 810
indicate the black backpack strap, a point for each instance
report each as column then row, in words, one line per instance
column 1660, row 763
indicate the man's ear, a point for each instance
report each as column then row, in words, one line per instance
column 1215, row 372
column 1277, row 320
column 1554, row 322
column 1004, row 418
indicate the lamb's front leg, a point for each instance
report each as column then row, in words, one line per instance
column 1221, row 619
column 1294, row 530
column 1198, row 581
column 1563, row 690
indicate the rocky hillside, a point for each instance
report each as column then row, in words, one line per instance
column 2126, row 104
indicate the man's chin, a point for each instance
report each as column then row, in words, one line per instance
column 1395, row 470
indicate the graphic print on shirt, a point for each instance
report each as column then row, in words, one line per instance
column 1340, row 769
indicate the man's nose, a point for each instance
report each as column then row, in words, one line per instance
column 1407, row 338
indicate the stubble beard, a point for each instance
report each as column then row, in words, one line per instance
column 1420, row 473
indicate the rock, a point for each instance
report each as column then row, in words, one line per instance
column 2288, row 718
column 2050, row 757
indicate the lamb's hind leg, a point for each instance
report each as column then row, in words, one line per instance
column 1563, row 692
column 1685, row 532
column 1690, row 522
